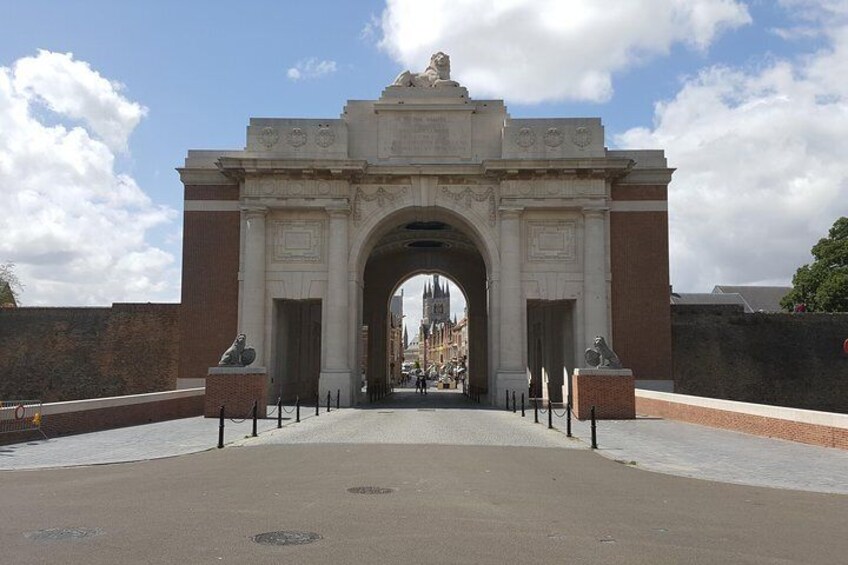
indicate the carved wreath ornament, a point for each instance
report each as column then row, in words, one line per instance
column 296, row 137
column 325, row 136
column 581, row 137
column 553, row 137
column 269, row 137
column 525, row 138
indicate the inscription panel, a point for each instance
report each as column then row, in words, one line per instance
column 425, row 134
column 551, row 240
column 299, row 241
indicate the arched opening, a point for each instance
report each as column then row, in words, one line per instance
column 428, row 327
column 413, row 247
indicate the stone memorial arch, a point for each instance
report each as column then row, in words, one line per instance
column 300, row 239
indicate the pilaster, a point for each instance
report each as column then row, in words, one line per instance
column 252, row 299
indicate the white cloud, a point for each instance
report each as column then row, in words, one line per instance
column 311, row 68
column 762, row 165
column 74, row 226
column 539, row 50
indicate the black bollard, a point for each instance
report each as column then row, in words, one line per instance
column 279, row 412
column 594, row 428
column 297, row 408
column 522, row 404
column 568, row 420
column 255, row 407
column 317, row 403
column 221, row 428
column 513, row 402
column 535, row 410
column 507, row 399
column 338, row 398
column 550, row 415
column 329, row 396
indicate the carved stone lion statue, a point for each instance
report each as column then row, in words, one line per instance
column 436, row 74
column 602, row 355
column 238, row 355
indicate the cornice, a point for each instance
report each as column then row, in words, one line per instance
column 239, row 167
column 647, row 176
column 205, row 177
column 600, row 167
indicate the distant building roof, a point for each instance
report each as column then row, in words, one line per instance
column 757, row 298
column 694, row 298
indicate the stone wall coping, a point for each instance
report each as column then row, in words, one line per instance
column 237, row 370
column 814, row 417
column 117, row 401
column 590, row 372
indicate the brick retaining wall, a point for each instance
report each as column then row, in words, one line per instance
column 804, row 426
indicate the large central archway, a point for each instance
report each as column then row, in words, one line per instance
column 412, row 242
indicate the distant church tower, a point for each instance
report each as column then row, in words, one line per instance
column 436, row 301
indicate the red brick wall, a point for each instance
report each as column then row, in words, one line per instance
column 84, row 421
column 802, row 432
column 611, row 395
column 60, row 354
column 641, row 315
column 236, row 392
column 209, row 285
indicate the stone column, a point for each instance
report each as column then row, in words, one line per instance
column 335, row 370
column 595, row 303
column 511, row 374
column 252, row 314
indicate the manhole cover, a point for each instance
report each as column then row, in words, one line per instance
column 370, row 490
column 286, row 538
column 61, row 534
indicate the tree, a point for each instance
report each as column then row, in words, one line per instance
column 823, row 284
column 10, row 286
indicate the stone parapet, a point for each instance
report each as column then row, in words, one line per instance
column 610, row 391
column 236, row 388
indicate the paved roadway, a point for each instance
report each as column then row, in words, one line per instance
column 463, row 492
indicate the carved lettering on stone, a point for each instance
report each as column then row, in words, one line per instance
column 420, row 134
column 551, row 240
column 466, row 196
column 380, row 196
column 299, row 240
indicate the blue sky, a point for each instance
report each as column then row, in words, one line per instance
column 748, row 98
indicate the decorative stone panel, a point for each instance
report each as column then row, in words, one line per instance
column 299, row 241
column 551, row 240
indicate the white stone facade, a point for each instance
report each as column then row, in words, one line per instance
column 318, row 198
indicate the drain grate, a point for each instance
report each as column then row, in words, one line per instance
column 286, row 538
column 63, row 534
column 370, row 490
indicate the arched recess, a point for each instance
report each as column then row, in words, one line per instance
column 394, row 258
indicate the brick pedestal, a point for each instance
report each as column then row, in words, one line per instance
column 611, row 391
column 236, row 388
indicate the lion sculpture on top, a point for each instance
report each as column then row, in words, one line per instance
column 602, row 355
column 238, row 355
column 436, row 74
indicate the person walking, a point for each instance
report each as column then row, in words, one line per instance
column 424, row 384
